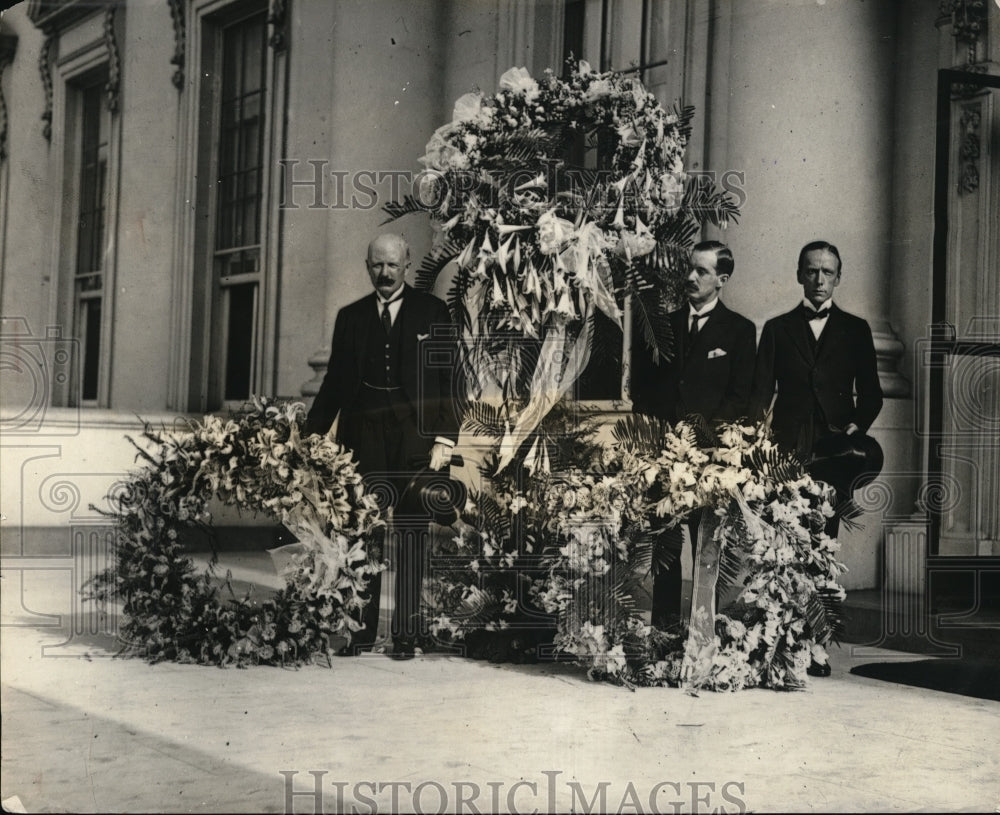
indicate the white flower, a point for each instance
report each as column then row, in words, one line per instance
column 599, row 89
column 635, row 245
column 671, row 191
column 518, row 80
column 553, row 232
column 468, row 107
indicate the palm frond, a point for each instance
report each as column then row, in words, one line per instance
column 483, row 419
column 704, row 434
column 782, row 466
column 434, row 262
column 397, row 209
column 848, row 511
column 641, row 434
column 730, row 567
column 495, row 518
column 707, row 204
column 650, row 316
column 823, row 613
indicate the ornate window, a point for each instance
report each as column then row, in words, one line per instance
column 229, row 282
column 237, row 266
column 88, row 312
column 80, row 70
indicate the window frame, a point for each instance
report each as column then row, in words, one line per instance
column 197, row 357
column 86, row 62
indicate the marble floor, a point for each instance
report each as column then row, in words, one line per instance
column 86, row 732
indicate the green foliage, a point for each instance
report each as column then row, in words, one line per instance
column 257, row 461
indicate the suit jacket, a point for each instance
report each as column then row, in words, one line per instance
column 816, row 385
column 711, row 376
column 428, row 388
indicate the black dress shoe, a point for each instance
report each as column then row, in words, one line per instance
column 402, row 649
column 816, row 669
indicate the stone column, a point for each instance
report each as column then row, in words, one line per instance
column 802, row 103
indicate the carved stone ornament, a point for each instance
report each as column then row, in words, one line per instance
column 114, row 60
column 45, row 69
column 968, row 20
column 52, row 17
column 969, row 147
column 180, row 41
column 276, row 17
column 8, row 45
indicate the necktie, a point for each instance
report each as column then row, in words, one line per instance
column 696, row 324
column 386, row 318
column 815, row 315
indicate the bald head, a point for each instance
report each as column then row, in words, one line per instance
column 388, row 260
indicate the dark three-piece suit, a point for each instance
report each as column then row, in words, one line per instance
column 393, row 391
column 710, row 374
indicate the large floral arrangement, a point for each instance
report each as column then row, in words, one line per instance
column 581, row 538
column 258, row 461
column 556, row 199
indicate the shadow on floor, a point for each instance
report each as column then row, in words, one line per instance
column 976, row 678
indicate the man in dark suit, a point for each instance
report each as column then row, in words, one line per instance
column 823, row 362
column 818, row 356
column 394, row 408
column 710, row 375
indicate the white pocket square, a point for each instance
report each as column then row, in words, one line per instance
column 422, row 337
column 715, row 353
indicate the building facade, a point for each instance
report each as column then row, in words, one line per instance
column 187, row 189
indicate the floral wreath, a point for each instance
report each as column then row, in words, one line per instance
column 574, row 542
column 257, row 460
column 556, row 200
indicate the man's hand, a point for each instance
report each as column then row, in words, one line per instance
column 440, row 456
column 851, row 429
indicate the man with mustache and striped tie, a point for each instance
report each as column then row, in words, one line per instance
column 394, row 407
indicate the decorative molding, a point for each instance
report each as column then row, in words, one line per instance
column 277, row 14
column 45, row 69
column 51, row 16
column 968, row 20
column 180, row 41
column 113, row 86
column 8, row 45
column 969, row 150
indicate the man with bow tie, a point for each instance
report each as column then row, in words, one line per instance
column 711, row 374
column 818, row 356
column 822, row 361
column 395, row 408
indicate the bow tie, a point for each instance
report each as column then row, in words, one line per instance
column 810, row 315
